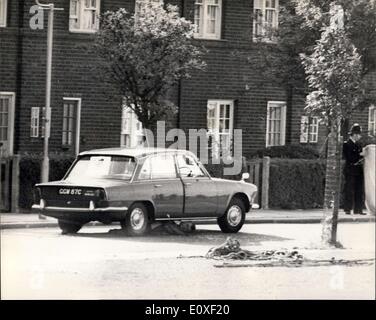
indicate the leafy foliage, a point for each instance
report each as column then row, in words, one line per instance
column 334, row 74
column 144, row 55
column 300, row 26
column 30, row 167
column 288, row 151
column 296, row 183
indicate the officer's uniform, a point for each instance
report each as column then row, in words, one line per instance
column 353, row 171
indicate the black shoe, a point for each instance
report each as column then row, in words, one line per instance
column 362, row 213
column 347, row 212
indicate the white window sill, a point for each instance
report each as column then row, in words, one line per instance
column 263, row 40
column 208, row 39
column 83, row 31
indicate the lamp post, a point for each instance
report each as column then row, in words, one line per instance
column 47, row 125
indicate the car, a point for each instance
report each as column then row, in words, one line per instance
column 140, row 186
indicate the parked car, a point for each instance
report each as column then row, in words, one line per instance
column 139, row 186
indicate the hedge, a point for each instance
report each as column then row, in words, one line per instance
column 293, row 151
column 296, row 183
column 30, row 171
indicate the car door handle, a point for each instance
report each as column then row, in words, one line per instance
column 187, row 184
column 157, row 185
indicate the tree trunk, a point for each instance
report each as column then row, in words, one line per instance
column 332, row 187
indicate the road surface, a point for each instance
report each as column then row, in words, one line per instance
column 98, row 264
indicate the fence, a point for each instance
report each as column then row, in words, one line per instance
column 9, row 183
column 259, row 170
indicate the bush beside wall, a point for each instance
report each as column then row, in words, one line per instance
column 30, row 171
column 296, row 184
column 290, row 151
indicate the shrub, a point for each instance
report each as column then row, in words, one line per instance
column 30, row 171
column 288, row 151
column 296, row 183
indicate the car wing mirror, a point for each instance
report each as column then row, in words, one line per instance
column 245, row 176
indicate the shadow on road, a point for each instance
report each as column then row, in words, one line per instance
column 200, row 237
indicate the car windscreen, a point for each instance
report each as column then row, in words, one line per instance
column 102, row 167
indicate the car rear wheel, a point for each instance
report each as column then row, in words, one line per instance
column 233, row 219
column 137, row 221
column 68, row 226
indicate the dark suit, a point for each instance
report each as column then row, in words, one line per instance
column 353, row 172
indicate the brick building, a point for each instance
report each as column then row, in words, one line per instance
column 228, row 95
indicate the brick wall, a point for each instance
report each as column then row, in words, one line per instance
column 228, row 76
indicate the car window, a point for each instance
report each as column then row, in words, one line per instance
column 188, row 167
column 117, row 167
column 145, row 172
column 163, row 166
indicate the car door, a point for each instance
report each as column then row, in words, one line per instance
column 200, row 191
column 166, row 187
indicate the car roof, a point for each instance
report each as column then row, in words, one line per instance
column 132, row 152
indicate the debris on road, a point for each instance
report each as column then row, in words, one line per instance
column 303, row 263
column 231, row 250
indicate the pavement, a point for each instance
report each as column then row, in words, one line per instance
column 100, row 263
column 32, row 220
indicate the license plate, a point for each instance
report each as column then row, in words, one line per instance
column 70, row 191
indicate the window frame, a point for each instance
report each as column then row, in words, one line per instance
column 76, row 143
column 4, row 14
column 216, row 133
column 133, row 132
column 311, row 129
column 263, row 36
column 79, row 17
column 11, row 120
column 218, row 26
column 372, row 108
column 283, row 123
column 138, row 4
column 34, row 122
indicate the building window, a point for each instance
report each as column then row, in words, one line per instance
column 71, row 124
column 372, row 120
column 140, row 4
column 34, row 122
column 265, row 19
column 131, row 129
column 207, row 19
column 309, row 129
column 7, row 100
column 3, row 13
column 83, row 16
column 220, row 115
column 276, row 123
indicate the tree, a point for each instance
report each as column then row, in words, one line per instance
column 144, row 55
column 335, row 65
column 300, row 25
column 334, row 75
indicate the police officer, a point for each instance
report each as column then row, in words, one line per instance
column 353, row 189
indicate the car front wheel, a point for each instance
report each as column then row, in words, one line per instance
column 137, row 221
column 233, row 219
column 67, row 226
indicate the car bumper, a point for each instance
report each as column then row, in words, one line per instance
column 38, row 207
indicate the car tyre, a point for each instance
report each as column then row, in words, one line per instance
column 233, row 219
column 137, row 221
column 69, row 227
